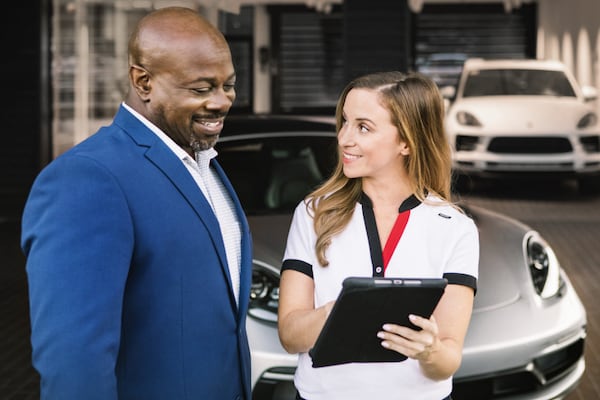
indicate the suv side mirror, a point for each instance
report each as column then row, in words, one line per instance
column 589, row 93
column 448, row 92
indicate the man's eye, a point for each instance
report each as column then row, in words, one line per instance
column 229, row 87
column 202, row 90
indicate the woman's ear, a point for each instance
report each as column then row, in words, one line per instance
column 404, row 149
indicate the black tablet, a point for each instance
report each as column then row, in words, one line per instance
column 363, row 306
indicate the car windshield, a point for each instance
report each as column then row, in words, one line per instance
column 517, row 82
column 273, row 173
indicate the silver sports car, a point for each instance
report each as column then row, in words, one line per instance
column 527, row 333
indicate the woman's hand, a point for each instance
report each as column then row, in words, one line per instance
column 438, row 345
column 415, row 344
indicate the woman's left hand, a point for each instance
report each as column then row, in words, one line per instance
column 416, row 344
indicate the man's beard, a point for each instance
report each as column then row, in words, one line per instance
column 200, row 145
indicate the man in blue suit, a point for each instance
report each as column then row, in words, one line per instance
column 139, row 265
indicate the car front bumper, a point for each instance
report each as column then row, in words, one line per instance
column 272, row 367
column 478, row 156
column 514, row 353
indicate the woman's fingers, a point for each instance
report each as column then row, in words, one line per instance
column 417, row 344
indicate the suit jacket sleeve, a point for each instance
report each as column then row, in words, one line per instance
column 77, row 236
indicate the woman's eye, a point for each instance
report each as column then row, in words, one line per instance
column 229, row 87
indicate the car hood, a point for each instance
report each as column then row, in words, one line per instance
column 502, row 274
column 523, row 114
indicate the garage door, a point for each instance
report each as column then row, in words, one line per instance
column 444, row 33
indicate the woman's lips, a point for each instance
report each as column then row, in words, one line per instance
column 348, row 158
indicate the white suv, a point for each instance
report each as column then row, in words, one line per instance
column 523, row 118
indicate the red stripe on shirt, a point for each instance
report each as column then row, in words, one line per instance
column 394, row 237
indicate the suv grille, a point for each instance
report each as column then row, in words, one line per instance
column 530, row 145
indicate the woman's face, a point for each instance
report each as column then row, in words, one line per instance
column 369, row 143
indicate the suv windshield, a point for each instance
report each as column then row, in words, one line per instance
column 517, row 82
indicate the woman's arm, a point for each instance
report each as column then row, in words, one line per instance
column 438, row 346
column 299, row 322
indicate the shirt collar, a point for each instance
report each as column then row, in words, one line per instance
column 204, row 155
column 408, row 204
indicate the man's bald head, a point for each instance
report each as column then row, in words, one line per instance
column 166, row 31
column 181, row 76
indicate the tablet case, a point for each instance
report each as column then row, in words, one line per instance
column 363, row 306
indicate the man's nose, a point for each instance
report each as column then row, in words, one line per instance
column 221, row 100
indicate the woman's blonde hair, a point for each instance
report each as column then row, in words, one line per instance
column 417, row 110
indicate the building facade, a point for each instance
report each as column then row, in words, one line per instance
column 66, row 74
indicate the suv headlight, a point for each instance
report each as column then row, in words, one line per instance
column 587, row 121
column 467, row 119
column 264, row 292
column 543, row 266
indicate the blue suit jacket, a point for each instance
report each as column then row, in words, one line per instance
column 130, row 292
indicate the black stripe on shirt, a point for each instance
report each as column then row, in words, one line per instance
column 461, row 279
column 373, row 238
column 298, row 265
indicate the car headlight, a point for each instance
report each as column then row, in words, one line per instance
column 543, row 266
column 588, row 120
column 264, row 292
column 467, row 119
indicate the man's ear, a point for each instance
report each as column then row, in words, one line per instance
column 140, row 81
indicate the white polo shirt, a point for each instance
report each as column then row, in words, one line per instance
column 437, row 241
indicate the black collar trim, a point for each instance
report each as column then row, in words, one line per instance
column 408, row 204
column 373, row 235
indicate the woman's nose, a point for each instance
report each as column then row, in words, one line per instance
column 344, row 136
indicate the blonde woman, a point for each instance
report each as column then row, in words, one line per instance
column 385, row 211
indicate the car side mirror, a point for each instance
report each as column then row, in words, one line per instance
column 448, row 92
column 590, row 93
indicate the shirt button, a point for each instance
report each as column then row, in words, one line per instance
column 378, row 269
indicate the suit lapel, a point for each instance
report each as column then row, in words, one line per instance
column 164, row 159
column 172, row 167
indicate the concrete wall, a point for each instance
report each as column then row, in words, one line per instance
column 569, row 31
